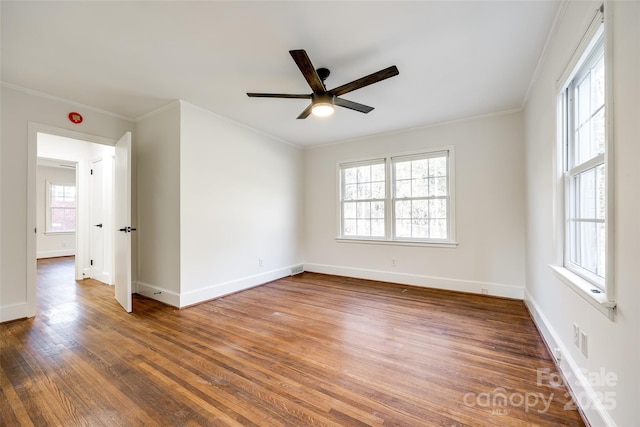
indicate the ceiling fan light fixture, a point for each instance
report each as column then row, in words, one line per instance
column 322, row 109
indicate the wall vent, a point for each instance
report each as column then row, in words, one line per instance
column 297, row 269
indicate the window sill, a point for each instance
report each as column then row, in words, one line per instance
column 584, row 289
column 398, row 242
column 58, row 233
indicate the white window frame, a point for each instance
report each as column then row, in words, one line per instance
column 596, row 290
column 389, row 237
column 48, row 207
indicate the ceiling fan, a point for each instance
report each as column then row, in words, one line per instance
column 323, row 100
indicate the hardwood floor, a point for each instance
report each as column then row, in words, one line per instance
column 308, row 350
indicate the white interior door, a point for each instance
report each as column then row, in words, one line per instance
column 96, row 214
column 122, row 222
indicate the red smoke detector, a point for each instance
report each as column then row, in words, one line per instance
column 75, row 117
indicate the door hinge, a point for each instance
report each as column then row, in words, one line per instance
column 91, row 262
column 91, row 171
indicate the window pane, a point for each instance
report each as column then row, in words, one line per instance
column 420, row 209
column 363, row 210
column 350, row 192
column 597, row 134
column 597, row 85
column 377, row 227
column 377, row 210
column 349, row 210
column 586, row 200
column 349, row 227
column 419, row 187
column 420, row 229
column 600, row 193
column 364, row 227
column 377, row 172
column 364, row 174
column 403, row 170
column 403, row 228
column 419, row 168
column 438, row 209
column 403, row 189
column 403, row 209
column 437, row 187
column 438, row 166
column 364, row 191
column 350, row 176
column 438, row 229
column 378, row 190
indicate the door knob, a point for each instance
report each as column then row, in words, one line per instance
column 98, row 225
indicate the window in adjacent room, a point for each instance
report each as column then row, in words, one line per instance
column 399, row 198
column 60, row 208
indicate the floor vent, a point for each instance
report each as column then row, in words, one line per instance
column 297, row 270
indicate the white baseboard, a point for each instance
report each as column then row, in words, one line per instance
column 55, row 254
column 495, row 289
column 157, row 293
column 583, row 393
column 210, row 292
column 225, row 288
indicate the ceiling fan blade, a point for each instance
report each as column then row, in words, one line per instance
column 308, row 71
column 306, row 112
column 366, row 81
column 352, row 105
column 277, row 95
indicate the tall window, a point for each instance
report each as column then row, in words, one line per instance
column 60, row 208
column 585, row 167
column 398, row 198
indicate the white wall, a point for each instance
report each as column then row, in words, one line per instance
column 489, row 210
column 18, row 110
column 52, row 244
column 158, row 201
column 214, row 198
column 613, row 346
column 240, row 194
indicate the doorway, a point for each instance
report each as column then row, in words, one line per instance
column 82, row 205
column 115, row 168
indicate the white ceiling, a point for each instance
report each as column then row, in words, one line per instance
column 456, row 59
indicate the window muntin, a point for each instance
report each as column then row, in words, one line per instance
column 398, row 198
column 61, row 208
column 585, row 169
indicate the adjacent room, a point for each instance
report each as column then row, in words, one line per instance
column 320, row 213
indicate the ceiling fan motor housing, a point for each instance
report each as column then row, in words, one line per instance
column 325, row 98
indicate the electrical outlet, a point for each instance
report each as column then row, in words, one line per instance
column 260, row 262
column 485, row 291
column 393, row 262
column 64, row 244
column 576, row 335
column 557, row 353
column 583, row 343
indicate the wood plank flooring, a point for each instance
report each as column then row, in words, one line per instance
column 310, row 350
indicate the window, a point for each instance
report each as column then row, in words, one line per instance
column 420, row 197
column 404, row 198
column 60, row 208
column 363, row 199
column 585, row 167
